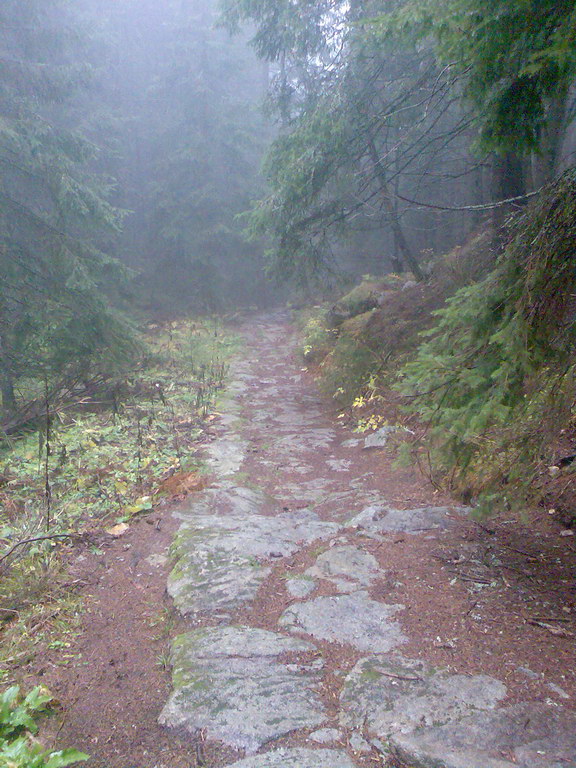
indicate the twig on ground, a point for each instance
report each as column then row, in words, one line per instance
column 549, row 618
column 558, row 631
column 469, row 577
column 415, row 679
column 35, row 538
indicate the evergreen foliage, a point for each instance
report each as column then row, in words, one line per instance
column 514, row 58
column 496, row 375
column 359, row 116
column 370, row 99
column 54, row 308
column 185, row 141
column 205, row 161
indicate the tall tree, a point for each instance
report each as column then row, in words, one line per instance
column 516, row 58
column 362, row 119
column 54, row 312
column 205, row 159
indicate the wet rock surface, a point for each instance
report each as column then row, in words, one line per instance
column 391, row 694
column 301, row 587
column 354, row 619
column 220, row 557
column 348, row 568
column 325, row 735
column 525, row 736
column 298, row 758
column 230, row 682
column 297, row 639
column 381, row 519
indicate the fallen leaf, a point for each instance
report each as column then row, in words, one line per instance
column 117, row 530
column 183, row 482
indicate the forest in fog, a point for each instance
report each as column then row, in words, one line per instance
column 177, row 155
column 131, row 137
column 370, row 202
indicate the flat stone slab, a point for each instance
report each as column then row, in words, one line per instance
column 300, row 588
column 229, row 681
column 339, row 465
column 389, row 695
column 359, row 744
column 220, row 558
column 212, row 583
column 226, row 499
column 306, row 439
column 226, row 455
column 377, row 519
column 325, row 735
column 524, row 736
column 348, row 568
column 298, row 758
column 352, row 619
column 380, row 438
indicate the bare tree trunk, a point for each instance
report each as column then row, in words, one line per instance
column 508, row 182
column 545, row 163
column 6, row 383
column 395, row 259
column 407, row 255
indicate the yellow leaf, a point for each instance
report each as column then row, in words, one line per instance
column 140, row 505
column 117, row 530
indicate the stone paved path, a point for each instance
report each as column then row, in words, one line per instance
column 288, row 484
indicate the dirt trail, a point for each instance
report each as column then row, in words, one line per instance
column 318, row 587
column 337, row 612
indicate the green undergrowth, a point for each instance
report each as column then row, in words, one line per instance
column 479, row 359
column 107, row 464
column 495, row 378
column 338, row 342
column 98, row 466
column 19, row 747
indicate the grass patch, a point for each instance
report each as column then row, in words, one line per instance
column 109, row 463
column 99, row 464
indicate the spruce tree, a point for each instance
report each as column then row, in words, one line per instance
column 54, row 307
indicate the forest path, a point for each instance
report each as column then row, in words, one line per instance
column 324, row 631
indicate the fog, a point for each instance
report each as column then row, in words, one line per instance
column 148, row 133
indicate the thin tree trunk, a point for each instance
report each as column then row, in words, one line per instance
column 545, row 163
column 407, row 255
column 6, row 384
column 508, row 181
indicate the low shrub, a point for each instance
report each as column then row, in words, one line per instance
column 18, row 747
column 495, row 378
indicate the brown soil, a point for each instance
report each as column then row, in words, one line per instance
column 495, row 598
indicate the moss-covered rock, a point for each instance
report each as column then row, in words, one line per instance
column 356, row 326
column 362, row 298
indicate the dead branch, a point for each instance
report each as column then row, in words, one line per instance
column 33, row 539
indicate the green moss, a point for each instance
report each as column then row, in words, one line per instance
column 361, row 298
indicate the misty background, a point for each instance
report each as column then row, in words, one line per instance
column 203, row 156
